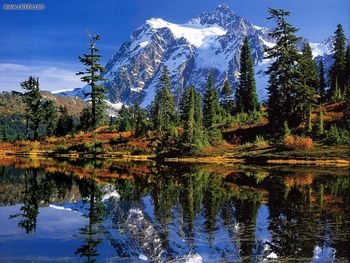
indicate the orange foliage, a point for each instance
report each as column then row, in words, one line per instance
column 298, row 143
column 301, row 179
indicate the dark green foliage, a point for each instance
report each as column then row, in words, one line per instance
column 309, row 121
column 227, row 103
column 347, row 72
column 286, row 131
column 246, row 97
column 320, row 126
column 211, row 107
column 191, row 120
column 322, row 83
column 163, row 111
column 133, row 119
column 308, row 68
column 289, row 94
column 125, row 119
column 32, row 98
column 64, row 123
column 50, row 116
column 337, row 136
column 12, row 127
column 347, row 91
column 141, row 122
column 242, row 118
column 92, row 76
column 3, row 136
column 337, row 74
column 307, row 97
column 85, row 119
column 212, row 112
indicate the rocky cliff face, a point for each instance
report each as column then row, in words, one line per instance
column 210, row 41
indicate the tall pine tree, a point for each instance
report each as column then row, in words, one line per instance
column 246, row 97
column 337, row 74
column 347, row 91
column 347, row 71
column 64, row 123
column 33, row 100
column 284, row 82
column 227, row 103
column 163, row 111
column 92, row 75
column 191, row 117
column 50, row 116
column 322, row 82
column 306, row 92
column 211, row 107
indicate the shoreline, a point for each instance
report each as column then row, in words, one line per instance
column 214, row 159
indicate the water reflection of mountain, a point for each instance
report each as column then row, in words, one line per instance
column 148, row 211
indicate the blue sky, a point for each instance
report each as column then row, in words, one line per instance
column 47, row 43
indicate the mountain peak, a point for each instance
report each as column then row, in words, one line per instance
column 223, row 8
column 224, row 17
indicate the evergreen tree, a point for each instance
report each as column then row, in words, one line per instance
column 33, row 99
column 246, row 97
column 3, row 136
column 198, row 110
column 50, row 116
column 64, row 123
column 163, row 111
column 212, row 112
column 211, row 106
column 287, row 97
column 309, row 121
column 85, row 119
column 140, row 120
column 319, row 127
column 337, row 79
column 322, row 82
column 286, row 131
column 92, row 76
column 125, row 119
column 308, row 68
column 226, row 93
column 347, row 71
column 307, row 97
column 187, row 110
column 191, row 119
column 347, row 92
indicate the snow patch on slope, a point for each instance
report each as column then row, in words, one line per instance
column 195, row 34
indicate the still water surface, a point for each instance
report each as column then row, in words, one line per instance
column 115, row 211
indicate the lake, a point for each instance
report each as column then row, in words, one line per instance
column 122, row 211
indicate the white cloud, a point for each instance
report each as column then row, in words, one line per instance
column 51, row 77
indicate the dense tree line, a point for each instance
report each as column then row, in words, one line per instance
column 296, row 87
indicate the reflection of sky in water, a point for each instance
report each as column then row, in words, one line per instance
column 263, row 237
column 138, row 228
column 56, row 237
column 324, row 252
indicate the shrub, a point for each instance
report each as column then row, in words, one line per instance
column 241, row 119
column 286, row 131
column 215, row 136
column 297, row 143
column 337, row 136
column 260, row 141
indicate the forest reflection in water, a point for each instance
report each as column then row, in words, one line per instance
column 146, row 211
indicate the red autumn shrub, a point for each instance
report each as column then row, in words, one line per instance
column 297, row 143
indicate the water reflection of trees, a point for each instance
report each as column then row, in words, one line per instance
column 306, row 209
column 39, row 188
column 91, row 233
column 301, row 205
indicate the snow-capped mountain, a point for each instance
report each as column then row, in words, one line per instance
column 210, row 41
